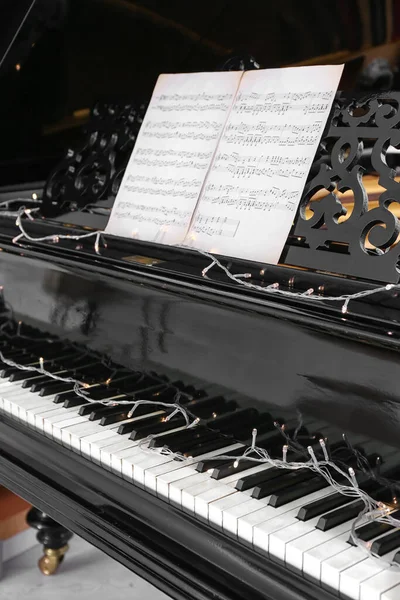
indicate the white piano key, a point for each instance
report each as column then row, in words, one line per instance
column 392, row 594
column 352, row 578
column 122, row 461
column 203, row 499
column 376, row 586
column 217, row 508
column 331, row 568
column 97, row 446
column 45, row 422
column 142, row 467
column 164, row 480
column 257, row 525
column 60, row 425
column 295, row 549
column 200, row 501
column 91, row 439
column 139, row 460
column 73, row 436
column 153, row 473
column 108, row 451
column 176, row 489
column 314, row 558
column 231, row 515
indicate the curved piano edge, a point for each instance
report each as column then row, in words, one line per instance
column 176, row 553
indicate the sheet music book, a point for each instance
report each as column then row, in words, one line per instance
column 221, row 159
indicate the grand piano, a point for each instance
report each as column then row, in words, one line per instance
column 137, row 320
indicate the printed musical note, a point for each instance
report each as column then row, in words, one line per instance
column 262, row 162
column 172, row 155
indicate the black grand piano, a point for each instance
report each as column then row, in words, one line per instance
column 137, row 320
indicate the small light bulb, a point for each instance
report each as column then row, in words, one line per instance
column 236, row 464
column 17, row 67
column 344, row 309
column 389, row 286
column 214, row 415
column 108, row 381
column 34, row 196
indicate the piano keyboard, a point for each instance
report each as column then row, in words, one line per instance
column 292, row 517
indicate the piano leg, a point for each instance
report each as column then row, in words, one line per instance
column 54, row 538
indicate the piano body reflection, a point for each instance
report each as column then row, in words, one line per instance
column 139, row 321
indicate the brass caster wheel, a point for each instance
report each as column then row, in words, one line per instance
column 51, row 560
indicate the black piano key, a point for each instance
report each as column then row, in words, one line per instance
column 368, row 532
column 239, row 417
column 40, row 379
column 158, row 428
column 16, row 355
column 56, row 388
column 243, row 430
column 104, row 411
column 146, row 421
column 340, row 515
column 205, row 465
column 336, row 500
column 111, row 417
column 193, row 443
column 250, row 481
column 387, row 543
column 313, row 509
column 207, row 447
column 208, row 407
column 19, row 375
column 87, row 408
column 115, row 418
column 296, row 492
column 102, row 392
column 230, row 468
column 181, row 444
column 72, row 402
column 6, row 371
column 289, row 479
column 182, row 437
column 190, row 390
column 196, row 448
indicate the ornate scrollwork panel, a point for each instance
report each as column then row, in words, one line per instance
column 357, row 235
column 94, row 170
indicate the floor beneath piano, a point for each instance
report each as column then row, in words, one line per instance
column 86, row 574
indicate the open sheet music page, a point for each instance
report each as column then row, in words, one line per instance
column 172, row 155
column 251, row 195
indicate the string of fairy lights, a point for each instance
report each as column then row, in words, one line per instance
column 338, row 476
column 241, row 279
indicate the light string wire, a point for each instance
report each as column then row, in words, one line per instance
column 82, row 389
column 55, row 238
column 334, row 475
column 239, row 278
column 274, row 288
column 373, row 510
